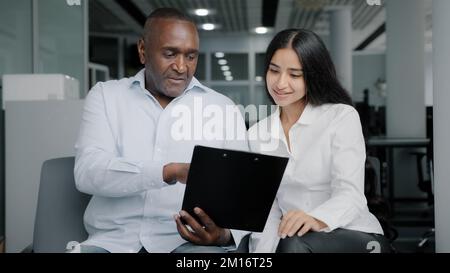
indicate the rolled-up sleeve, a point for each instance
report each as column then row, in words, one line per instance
column 347, row 171
column 99, row 169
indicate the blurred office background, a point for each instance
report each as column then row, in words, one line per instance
column 383, row 51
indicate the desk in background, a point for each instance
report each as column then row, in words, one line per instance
column 389, row 144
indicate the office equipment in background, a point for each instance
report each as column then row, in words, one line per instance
column 389, row 144
column 97, row 73
column 34, row 132
column 42, row 116
column 32, row 87
column 236, row 189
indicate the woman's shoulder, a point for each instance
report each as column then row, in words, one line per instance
column 340, row 110
column 343, row 117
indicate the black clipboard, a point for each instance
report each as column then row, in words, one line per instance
column 235, row 188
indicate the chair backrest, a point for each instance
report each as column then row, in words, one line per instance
column 375, row 164
column 378, row 205
column 60, row 208
column 424, row 165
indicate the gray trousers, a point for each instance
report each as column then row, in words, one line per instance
column 337, row 241
column 184, row 248
column 192, row 248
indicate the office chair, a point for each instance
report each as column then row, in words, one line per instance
column 424, row 164
column 424, row 172
column 60, row 208
column 376, row 203
column 374, row 163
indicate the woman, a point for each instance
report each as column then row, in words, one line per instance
column 320, row 205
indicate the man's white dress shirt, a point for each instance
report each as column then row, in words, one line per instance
column 325, row 173
column 125, row 139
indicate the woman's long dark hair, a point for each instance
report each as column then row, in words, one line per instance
column 322, row 85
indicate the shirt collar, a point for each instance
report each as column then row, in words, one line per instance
column 309, row 115
column 139, row 79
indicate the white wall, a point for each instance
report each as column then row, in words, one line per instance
column 441, row 112
column 35, row 131
column 368, row 66
column 428, row 78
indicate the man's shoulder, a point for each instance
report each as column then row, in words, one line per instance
column 117, row 85
column 113, row 87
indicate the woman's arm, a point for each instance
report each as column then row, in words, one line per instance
column 347, row 172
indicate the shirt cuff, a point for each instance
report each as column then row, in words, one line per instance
column 153, row 175
column 237, row 237
column 322, row 216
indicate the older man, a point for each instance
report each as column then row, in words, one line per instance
column 136, row 141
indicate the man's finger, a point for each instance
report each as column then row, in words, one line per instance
column 205, row 219
column 185, row 233
column 196, row 227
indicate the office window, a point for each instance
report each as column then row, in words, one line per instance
column 200, row 73
column 15, row 57
column 15, row 37
column 239, row 94
column 260, row 59
column 105, row 51
column 62, row 39
column 229, row 67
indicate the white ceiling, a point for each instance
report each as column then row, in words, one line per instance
column 242, row 16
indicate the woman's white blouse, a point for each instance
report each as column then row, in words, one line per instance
column 325, row 173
